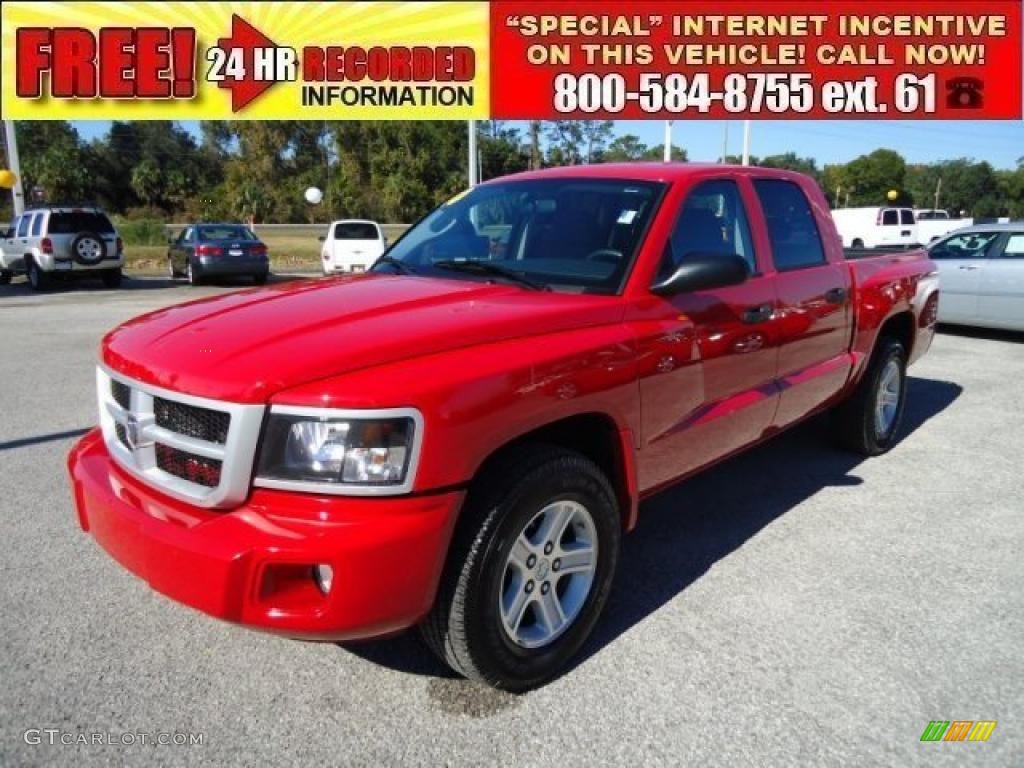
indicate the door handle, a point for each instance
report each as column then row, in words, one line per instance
column 836, row 296
column 758, row 314
column 969, row 267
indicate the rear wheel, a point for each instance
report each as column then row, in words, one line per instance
column 5, row 277
column 858, row 243
column 260, row 278
column 869, row 421
column 38, row 280
column 172, row 273
column 111, row 278
column 192, row 275
column 529, row 570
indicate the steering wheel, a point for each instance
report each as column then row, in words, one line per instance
column 608, row 255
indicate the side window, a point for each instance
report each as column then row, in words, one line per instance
column 37, row 224
column 1014, row 246
column 14, row 226
column 906, row 216
column 971, row 245
column 188, row 235
column 712, row 221
column 23, row 226
column 796, row 242
column 890, row 218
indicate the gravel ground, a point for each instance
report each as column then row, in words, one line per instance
column 793, row 606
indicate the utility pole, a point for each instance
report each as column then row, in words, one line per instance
column 14, row 165
column 746, row 142
column 938, row 192
column 725, row 144
column 668, row 141
column 839, row 189
column 473, row 177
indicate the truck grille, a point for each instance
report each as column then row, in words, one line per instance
column 195, row 469
column 192, row 448
column 200, row 423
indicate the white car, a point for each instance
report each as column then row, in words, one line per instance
column 352, row 245
column 876, row 227
column 981, row 271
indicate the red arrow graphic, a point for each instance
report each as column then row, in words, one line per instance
column 244, row 37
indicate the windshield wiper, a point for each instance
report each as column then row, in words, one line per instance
column 400, row 266
column 488, row 268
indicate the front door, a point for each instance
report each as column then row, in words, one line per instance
column 814, row 302
column 708, row 364
column 961, row 259
column 1001, row 292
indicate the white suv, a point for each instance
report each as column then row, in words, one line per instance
column 352, row 245
column 53, row 242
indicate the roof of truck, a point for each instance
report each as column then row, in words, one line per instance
column 644, row 171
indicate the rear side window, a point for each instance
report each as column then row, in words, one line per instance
column 713, row 221
column 23, row 225
column 355, row 230
column 74, row 222
column 906, row 217
column 890, row 218
column 796, row 242
column 37, row 224
column 1014, row 246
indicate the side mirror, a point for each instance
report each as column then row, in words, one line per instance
column 322, row 238
column 701, row 271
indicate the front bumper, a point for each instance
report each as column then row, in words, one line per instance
column 253, row 565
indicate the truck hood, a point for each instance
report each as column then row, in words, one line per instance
column 249, row 345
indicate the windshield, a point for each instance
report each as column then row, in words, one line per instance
column 575, row 234
column 355, row 230
column 225, row 232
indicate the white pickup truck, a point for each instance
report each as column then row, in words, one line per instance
column 934, row 223
column 876, row 227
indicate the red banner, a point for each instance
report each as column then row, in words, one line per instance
column 765, row 59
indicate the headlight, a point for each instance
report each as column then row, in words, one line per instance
column 345, row 452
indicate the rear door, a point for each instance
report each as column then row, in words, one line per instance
column 1001, row 291
column 961, row 259
column 813, row 315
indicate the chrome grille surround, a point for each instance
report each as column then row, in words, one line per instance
column 131, row 435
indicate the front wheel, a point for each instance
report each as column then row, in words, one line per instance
column 530, row 569
column 869, row 421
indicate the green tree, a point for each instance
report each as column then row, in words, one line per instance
column 54, row 160
column 624, row 148
column 870, row 178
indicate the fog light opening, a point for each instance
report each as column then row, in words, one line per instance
column 323, row 575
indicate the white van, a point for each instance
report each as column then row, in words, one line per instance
column 934, row 223
column 876, row 227
column 352, row 245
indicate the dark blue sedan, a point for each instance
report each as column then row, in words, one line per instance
column 217, row 250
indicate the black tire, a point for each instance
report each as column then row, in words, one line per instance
column 38, row 280
column 260, row 278
column 5, row 277
column 858, row 243
column 111, row 278
column 99, row 249
column 193, row 275
column 465, row 628
column 856, row 424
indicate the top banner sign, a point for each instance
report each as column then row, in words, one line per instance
column 771, row 59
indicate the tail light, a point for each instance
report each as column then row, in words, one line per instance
column 120, row 246
column 209, row 250
column 258, row 250
column 46, row 245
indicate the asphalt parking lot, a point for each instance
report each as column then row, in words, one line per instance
column 795, row 605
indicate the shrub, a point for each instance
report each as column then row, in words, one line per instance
column 141, row 231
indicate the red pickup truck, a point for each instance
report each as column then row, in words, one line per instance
column 458, row 439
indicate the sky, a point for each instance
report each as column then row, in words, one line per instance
column 1001, row 143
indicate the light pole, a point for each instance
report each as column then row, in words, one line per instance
column 746, row 142
column 17, row 191
column 668, row 141
column 473, row 178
